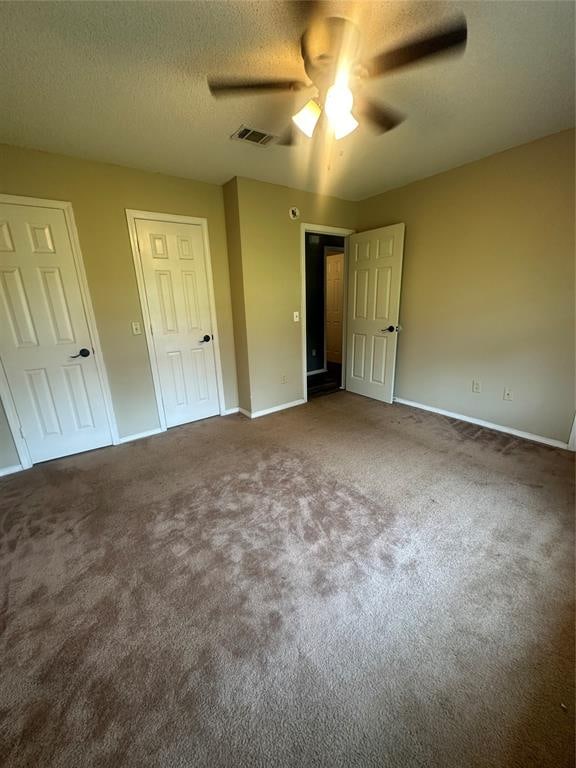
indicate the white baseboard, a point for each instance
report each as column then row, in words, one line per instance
column 11, row 470
column 229, row 411
column 139, row 435
column 318, row 370
column 274, row 409
column 487, row 424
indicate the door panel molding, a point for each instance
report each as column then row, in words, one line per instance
column 5, row 393
column 131, row 216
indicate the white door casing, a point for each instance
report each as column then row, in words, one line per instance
column 374, row 279
column 334, row 272
column 177, row 295
column 59, row 400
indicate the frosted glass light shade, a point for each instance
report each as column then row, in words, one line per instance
column 344, row 124
column 338, row 109
column 307, row 118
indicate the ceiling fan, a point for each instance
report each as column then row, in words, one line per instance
column 330, row 49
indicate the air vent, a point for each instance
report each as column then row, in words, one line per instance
column 253, row 136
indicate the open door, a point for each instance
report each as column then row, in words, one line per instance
column 374, row 278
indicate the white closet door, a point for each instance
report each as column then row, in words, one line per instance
column 43, row 328
column 174, row 269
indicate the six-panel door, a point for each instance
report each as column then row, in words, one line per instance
column 58, row 397
column 174, row 270
column 374, row 277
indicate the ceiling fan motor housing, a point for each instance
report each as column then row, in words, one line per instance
column 326, row 45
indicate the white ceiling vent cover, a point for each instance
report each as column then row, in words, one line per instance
column 252, row 136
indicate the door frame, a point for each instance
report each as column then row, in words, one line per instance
column 319, row 229
column 5, row 392
column 131, row 216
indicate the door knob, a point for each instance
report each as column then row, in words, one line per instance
column 390, row 329
column 205, row 338
column 83, row 353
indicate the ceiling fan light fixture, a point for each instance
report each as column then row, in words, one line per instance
column 338, row 107
column 307, row 118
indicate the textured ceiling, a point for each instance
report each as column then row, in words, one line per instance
column 125, row 82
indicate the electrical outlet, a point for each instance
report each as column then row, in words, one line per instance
column 296, row 317
column 136, row 328
column 507, row 394
column 476, row 386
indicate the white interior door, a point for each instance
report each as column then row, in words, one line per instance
column 174, row 271
column 374, row 278
column 334, row 297
column 57, row 392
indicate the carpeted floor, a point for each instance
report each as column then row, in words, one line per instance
column 342, row 584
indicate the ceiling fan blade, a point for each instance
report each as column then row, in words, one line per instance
column 220, row 88
column 450, row 38
column 306, row 10
column 288, row 138
column 380, row 117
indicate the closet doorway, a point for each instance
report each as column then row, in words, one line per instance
column 324, row 276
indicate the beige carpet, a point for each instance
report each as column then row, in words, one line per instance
column 342, row 584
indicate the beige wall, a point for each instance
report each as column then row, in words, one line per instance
column 99, row 194
column 488, row 282
column 270, row 245
column 488, row 286
column 237, row 291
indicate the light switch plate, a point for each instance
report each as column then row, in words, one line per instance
column 296, row 317
column 136, row 328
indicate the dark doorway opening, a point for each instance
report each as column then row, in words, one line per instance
column 324, row 312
